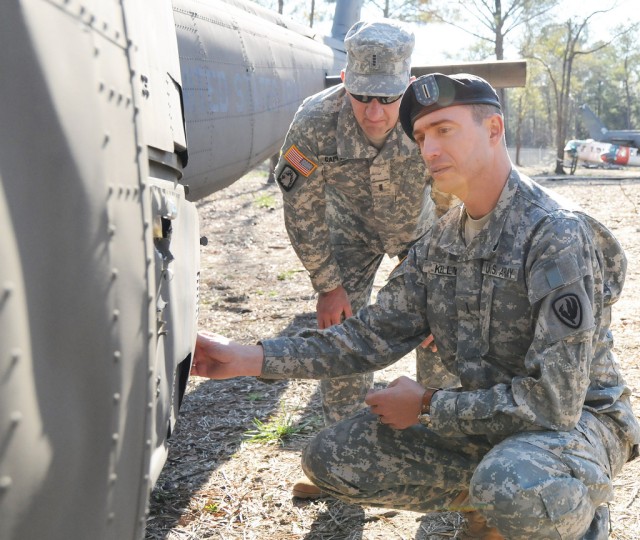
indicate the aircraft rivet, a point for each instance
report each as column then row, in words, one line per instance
column 150, row 334
column 113, row 477
column 116, row 314
column 111, row 516
column 5, row 482
column 114, row 273
column 15, row 418
column 150, row 406
column 115, row 437
column 8, row 288
column 117, row 355
column 15, row 356
column 111, row 230
column 116, row 398
column 147, row 443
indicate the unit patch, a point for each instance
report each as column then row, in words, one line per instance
column 568, row 309
column 299, row 161
column 496, row 270
column 287, row 178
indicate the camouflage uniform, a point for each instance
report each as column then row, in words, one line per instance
column 543, row 420
column 346, row 204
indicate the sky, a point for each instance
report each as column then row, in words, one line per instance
column 433, row 40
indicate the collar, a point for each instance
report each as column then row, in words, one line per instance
column 486, row 243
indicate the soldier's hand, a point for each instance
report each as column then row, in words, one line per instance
column 333, row 307
column 429, row 342
column 216, row 357
column 399, row 404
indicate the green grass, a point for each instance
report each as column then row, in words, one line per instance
column 287, row 274
column 277, row 430
column 265, row 200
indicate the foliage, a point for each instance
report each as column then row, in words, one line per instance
column 265, row 200
column 488, row 21
column 278, row 429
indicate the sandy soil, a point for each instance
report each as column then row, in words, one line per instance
column 217, row 484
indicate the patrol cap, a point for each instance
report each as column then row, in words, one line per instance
column 436, row 91
column 378, row 58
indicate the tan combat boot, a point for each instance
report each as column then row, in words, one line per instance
column 476, row 527
column 303, row 488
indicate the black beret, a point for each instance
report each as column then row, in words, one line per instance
column 436, row 91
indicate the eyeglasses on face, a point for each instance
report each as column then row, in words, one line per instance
column 383, row 100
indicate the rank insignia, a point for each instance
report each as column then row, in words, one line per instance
column 287, row 178
column 568, row 309
column 299, row 161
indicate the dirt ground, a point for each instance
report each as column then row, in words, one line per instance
column 217, row 484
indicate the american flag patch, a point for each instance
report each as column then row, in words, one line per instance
column 299, row 161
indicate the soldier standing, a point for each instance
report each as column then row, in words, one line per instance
column 355, row 188
column 517, row 287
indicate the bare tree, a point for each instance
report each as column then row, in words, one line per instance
column 562, row 44
column 488, row 20
column 404, row 10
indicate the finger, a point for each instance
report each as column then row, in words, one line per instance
column 348, row 312
column 427, row 341
column 371, row 398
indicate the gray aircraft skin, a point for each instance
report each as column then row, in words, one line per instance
column 115, row 116
column 598, row 131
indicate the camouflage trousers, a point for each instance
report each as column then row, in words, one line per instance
column 342, row 397
column 542, row 485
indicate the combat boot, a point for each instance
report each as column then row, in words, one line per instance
column 303, row 488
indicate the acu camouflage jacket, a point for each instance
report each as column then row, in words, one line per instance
column 336, row 185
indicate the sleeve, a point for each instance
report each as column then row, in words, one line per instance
column 299, row 175
column 376, row 337
column 550, row 393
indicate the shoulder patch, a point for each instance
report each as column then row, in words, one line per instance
column 287, row 178
column 568, row 309
column 299, row 161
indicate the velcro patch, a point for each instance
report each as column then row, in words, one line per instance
column 442, row 269
column 287, row 178
column 500, row 271
column 568, row 309
column 299, row 161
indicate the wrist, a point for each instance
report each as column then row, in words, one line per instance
column 425, row 407
column 252, row 359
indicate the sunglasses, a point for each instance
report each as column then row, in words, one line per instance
column 383, row 100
